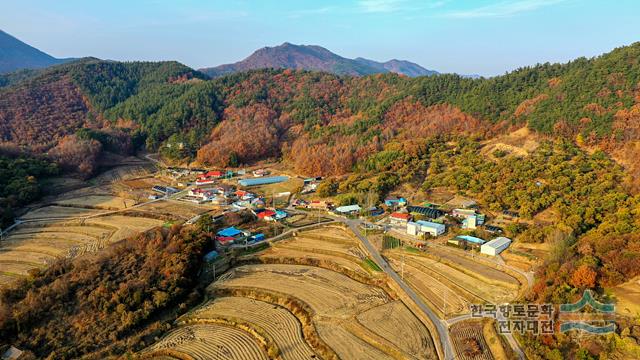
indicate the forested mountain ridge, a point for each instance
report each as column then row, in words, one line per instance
column 16, row 55
column 308, row 117
column 315, row 58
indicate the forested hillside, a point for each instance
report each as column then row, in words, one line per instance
column 320, row 123
column 110, row 303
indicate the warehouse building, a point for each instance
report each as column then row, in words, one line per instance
column 421, row 227
column 495, row 246
column 263, row 180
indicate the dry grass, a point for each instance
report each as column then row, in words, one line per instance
column 327, row 292
column 440, row 282
column 277, row 322
column 208, row 341
column 628, row 297
column 493, row 340
column 518, row 143
column 99, row 202
column 125, row 225
column 395, row 323
column 59, row 212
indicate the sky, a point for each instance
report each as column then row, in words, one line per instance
column 486, row 37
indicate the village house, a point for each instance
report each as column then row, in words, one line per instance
column 318, row 205
column 244, row 195
column 394, row 202
column 401, row 219
column 230, row 235
column 260, row 173
column 470, row 219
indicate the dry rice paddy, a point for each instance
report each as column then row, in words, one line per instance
column 447, row 286
column 106, row 202
column 55, row 232
column 276, row 321
column 320, row 302
column 209, row 341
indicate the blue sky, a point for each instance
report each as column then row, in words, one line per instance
column 486, row 37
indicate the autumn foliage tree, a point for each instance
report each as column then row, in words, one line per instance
column 584, row 277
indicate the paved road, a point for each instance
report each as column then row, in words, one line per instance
column 441, row 327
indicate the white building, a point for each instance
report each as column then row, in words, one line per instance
column 420, row 227
column 349, row 209
column 495, row 246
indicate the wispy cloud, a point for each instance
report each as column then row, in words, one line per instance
column 381, row 6
column 315, row 11
column 502, row 9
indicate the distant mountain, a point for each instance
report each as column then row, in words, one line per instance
column 16, row 55
column 313, row 57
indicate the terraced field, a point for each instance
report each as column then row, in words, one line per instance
column 207, row 341
column 395, row 323
column 440, row 282
column 37, row 243
column 311, row 296
column 106, row 202
column 124, row 226
column 280, row 324
column 59, row 212
column 327, row 292
column 337, row 247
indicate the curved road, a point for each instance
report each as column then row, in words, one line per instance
column 441, row 327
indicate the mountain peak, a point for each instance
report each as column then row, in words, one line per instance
column 315, row 58
column 16, row 55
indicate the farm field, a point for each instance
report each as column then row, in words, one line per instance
column 124, row 226
column 207, row 341
column 106, row 202
column 326, row 244
column 277, row 322
column 311, row 295
column 448, row 289
column 478, row 268
column 335, row 301
column 59, row 212
column 175, row 209
column 469, row 342
column 36, row 244
column 393, row 321
column 52, row 232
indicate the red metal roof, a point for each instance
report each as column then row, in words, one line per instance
column 402, row 216
column 266, row 213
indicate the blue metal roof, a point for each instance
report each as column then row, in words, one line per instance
column 231, row 232
column 263, row 180
column 472, row 239
column 212, row 255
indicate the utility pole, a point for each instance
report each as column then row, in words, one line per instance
column 444, row 303
column 402, row 267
